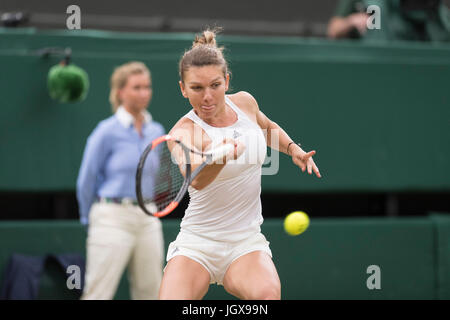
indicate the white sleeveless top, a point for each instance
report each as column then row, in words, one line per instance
column 229, row 209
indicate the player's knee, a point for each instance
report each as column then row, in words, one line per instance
column 180, row 294
column 270, row 293
column 182, row 291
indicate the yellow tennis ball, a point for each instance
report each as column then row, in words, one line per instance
column 296, row 222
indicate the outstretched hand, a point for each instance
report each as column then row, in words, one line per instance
column 305, row 161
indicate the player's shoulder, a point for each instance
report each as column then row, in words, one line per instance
column 190, row 133
column 245, row 101
column 183, row 123
column 183, row 128
column 242, row 96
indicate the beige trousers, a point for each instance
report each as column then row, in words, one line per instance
column 120, row 236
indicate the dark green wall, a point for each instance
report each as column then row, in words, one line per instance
column 328, row 261
column 378, row 115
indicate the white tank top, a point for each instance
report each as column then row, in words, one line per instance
column 229, row 208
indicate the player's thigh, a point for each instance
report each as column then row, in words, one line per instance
column 184, row 279
column 253, row 276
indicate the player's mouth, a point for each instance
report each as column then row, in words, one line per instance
column 208, row 108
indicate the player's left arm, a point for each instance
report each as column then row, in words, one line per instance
column 274, row 132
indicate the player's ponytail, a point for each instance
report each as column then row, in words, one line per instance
column 204, row 52
column 208, row 37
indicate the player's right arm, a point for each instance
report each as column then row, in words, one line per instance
column 193, row 136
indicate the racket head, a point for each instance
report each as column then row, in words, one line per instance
column 160, row 185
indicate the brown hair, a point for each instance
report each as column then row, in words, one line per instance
column 119, row 79
column 204, row 52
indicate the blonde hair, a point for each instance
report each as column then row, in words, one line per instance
column 204, row 52
column 120, row 77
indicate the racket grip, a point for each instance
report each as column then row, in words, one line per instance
column 221, row 152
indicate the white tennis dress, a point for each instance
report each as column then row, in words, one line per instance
column 222, row 221
column 230, row 207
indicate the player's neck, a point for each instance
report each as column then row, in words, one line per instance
column 225, row 117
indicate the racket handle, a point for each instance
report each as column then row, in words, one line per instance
column 221, row 151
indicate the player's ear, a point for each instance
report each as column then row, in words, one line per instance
column 227, row 82
column 182, row 88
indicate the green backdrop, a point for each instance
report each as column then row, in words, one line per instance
column 377, row 114
column 328, row 261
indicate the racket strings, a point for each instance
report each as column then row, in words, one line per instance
column 163, row 177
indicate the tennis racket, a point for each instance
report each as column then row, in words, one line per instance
column 164, row 173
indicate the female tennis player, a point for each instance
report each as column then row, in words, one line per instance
column 220, row 239
column 120, row 234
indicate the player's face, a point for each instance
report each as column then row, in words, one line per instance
column 137, row 92
column 205, row 88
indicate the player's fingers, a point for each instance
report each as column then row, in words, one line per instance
column 308, row 155
column 309, row 168
column 311, row 153
column 316, row 171
column 300, row 162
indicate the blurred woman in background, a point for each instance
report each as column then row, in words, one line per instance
column 120, row 234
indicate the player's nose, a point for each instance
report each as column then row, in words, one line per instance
column 207, row 96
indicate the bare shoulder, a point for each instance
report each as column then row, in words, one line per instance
column 182, row 124
column 190, row 133
column 183, row 130
column 245, row 101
